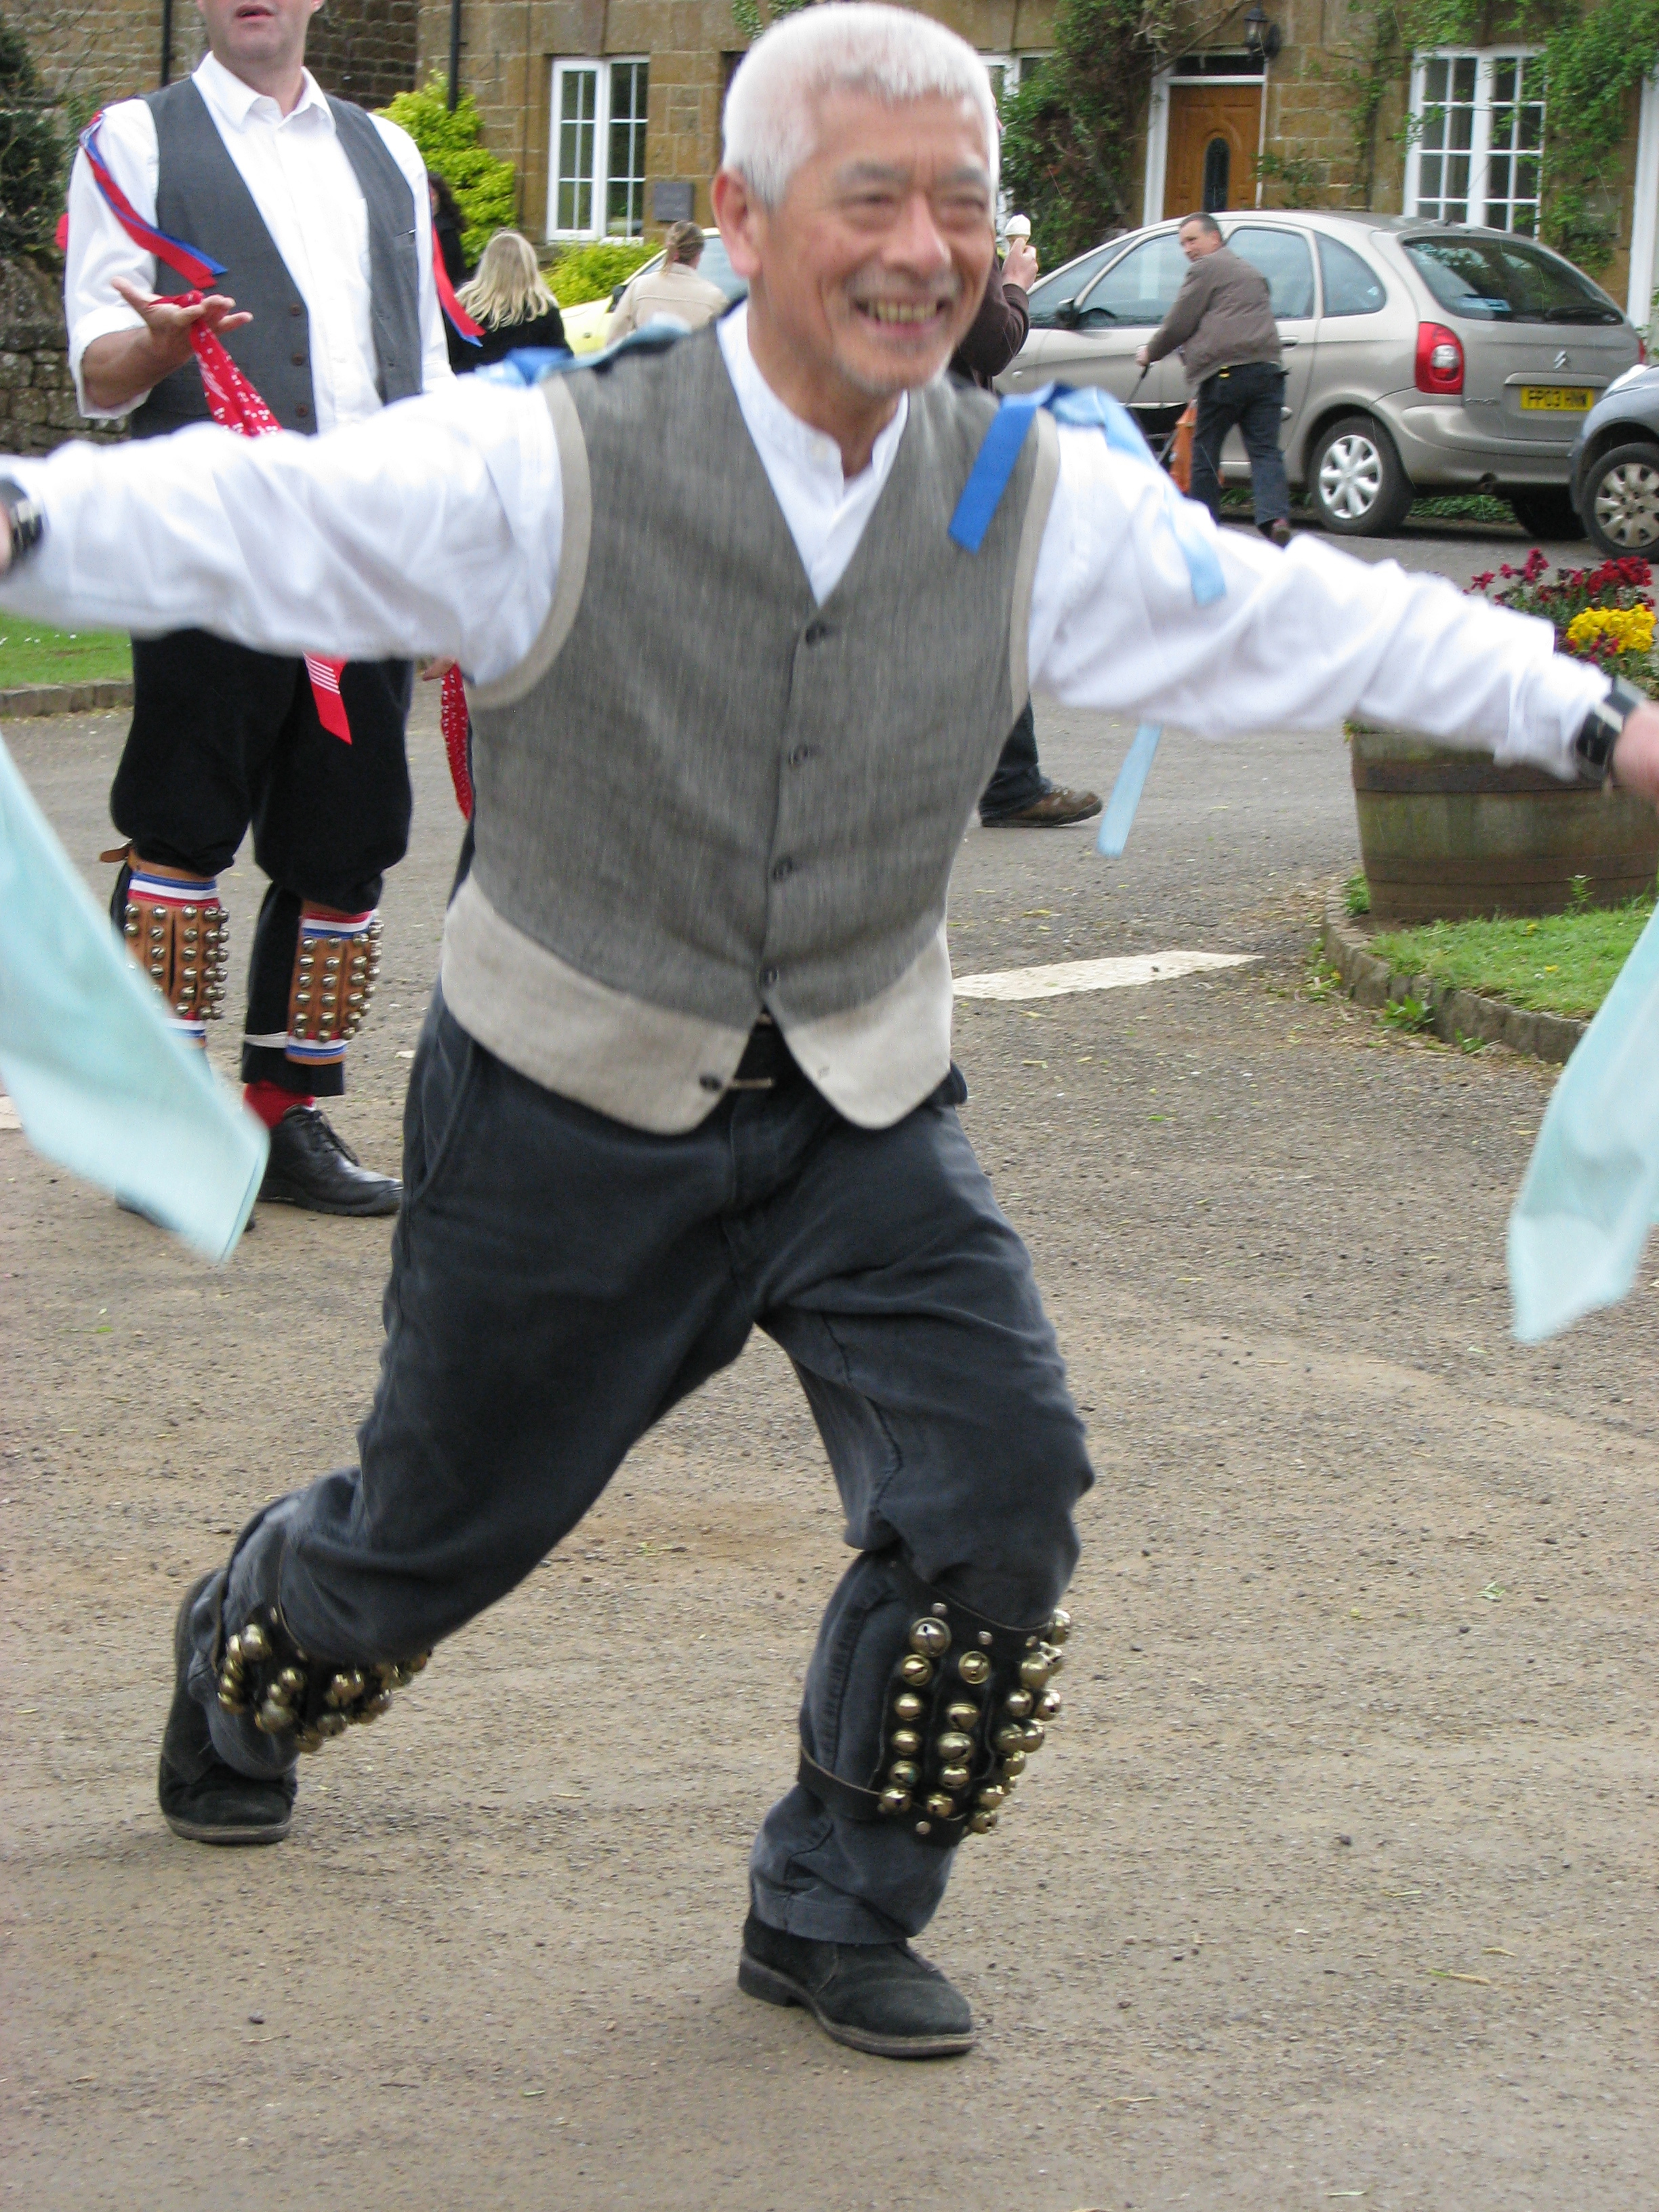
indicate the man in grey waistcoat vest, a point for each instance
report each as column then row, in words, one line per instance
column 687, row 1070
column 320, row 213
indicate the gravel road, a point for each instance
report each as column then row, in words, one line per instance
column 1332, row 1886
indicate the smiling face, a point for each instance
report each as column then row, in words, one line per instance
column 866, row 277
column 261, row 41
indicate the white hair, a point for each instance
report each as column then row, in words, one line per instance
column 851, row 46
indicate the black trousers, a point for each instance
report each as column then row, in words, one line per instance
column 223, row 738
column 1018, row 780
column 1253, row 397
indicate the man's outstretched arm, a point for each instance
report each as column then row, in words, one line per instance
column 1299, row 641
column 433, row 527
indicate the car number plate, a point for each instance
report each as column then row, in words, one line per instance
column 1555, row 400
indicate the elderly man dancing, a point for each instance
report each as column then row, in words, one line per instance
column 687, row 1070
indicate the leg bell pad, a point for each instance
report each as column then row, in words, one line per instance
column 179, row 935
column 967, row 1703
column 336, row 963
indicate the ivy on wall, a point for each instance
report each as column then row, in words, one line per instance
column 450, row 145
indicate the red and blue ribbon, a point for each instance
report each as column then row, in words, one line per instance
column 189, row 262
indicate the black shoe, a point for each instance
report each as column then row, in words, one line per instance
column 1276, row 533
column 312, row 1165
column 201, row 1799
column 1055, row 810
column 878, row 1998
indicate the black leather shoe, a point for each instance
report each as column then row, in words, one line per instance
column 1056, row 808
column 201, row 1799
column 878, row 1998
column 312, row 1165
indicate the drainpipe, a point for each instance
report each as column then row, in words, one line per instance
column 166, row 41
column 454, row 53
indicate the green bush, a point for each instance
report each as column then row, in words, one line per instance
column 31, row 150
column 482, row 183
column 593, row 271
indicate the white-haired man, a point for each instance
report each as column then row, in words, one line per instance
column 687, row 1070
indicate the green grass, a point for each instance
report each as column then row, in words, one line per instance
column 31, row 652
column 1562, row 964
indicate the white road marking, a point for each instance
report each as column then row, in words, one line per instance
column 1063, row 975
column 7, row 1114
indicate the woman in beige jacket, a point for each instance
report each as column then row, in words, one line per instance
column 674, row 291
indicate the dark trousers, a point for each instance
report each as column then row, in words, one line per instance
column 1018, row 780
column 223, row 738
column 1252, row 397
column 559, row 1280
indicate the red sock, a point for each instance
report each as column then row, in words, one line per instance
column 270, row 1102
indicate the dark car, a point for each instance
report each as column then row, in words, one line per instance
column 1615, row 466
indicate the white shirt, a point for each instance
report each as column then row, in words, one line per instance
column 435, row 527
column 307, row 194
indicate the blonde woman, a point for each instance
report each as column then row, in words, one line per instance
column 509, row 300
column 673, row 293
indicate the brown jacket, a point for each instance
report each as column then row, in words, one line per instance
column 1223, row 317
column 995, row 335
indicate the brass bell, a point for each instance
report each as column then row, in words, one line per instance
column 1060, row 1626
column 980, row 1824
column 1056, row 1659
column 954, row 1777
column 256, row 1644
column 1008, row 1781
column 991, row 1797
column 419, row 1660
column 942, row 1807
column 950, row 1746
column 273, row 1719
column 893, row 1802
column 973, row 1668
column 1035, row 1669
column 291, row 1683
column 1018, row 1703
column 310, row 1739
column 1013, row 1762
column 230, row 1696
column 962, row 1717
column 1035, row 1733
column 346, row 1687
column 904, row 1774
column 372, row 1708
column 1047, row 1705
column 917, row 1671
column 905, row 1742
column 931, row 1637
column 1010, row 1737
column 331, row 1723
column 907, row 1706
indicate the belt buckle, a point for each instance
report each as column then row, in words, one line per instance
column 753, row 1083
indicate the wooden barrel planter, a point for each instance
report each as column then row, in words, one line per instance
column 1445, row 836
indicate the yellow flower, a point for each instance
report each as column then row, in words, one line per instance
column 1630, row 630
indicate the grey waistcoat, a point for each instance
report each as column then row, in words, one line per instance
column 702, row 793
column 200, row 197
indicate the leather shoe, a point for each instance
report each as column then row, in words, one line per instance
column 1276, row 533
column 877, row 1998
column 201, row 1799
column 1056, row 807
column 312, row 1165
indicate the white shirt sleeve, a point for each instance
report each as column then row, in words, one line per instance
column 99, row 249
column 433, row 526
column 1301, row 640
column 434, row 347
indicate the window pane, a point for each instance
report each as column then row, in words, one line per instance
column 1518, row 126
column 1140, row 289
column 579, row 96
column 624, row 198
column 1351, row 287
column 1283, row 257
column 1058, row 291
column 1463, row 78
column 1445, row 136
column 1436, row 85
column 1485, row 280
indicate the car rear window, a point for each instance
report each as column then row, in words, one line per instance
column 1051, row 293
column 1283, row 257
column 1489, row 280
column 1351, row 287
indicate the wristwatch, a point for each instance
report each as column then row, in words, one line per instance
column 1598, row 734
column 26, row 520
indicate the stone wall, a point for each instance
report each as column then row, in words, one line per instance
column 37, row 396
column 365, row 49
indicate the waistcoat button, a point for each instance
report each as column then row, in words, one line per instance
column 801, row 755
column 296, row 311
column 816, row 632
column 784, row 867
column 768, row 976
column 301, row 409
column 298, row 359
column 711, row 1083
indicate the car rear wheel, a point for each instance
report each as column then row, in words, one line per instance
column 1547, row 511
column 1356, row 485
column 1622, row 501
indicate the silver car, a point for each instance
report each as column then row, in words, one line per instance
column 1418, row 357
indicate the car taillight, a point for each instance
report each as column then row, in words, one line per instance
column 1439, row 359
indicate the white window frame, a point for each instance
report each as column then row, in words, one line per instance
column 601, row 65
column 1485, row 60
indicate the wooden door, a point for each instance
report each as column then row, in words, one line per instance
column 1214, row 132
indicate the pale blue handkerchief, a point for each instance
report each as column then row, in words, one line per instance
column 100, row 1081
column 1591, row 1191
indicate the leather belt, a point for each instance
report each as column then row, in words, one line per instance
column 766, row 1060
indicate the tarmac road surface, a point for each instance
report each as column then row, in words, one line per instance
column 1338, row 1879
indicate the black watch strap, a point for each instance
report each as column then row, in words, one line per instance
column 1598, row 734
column 26, row 520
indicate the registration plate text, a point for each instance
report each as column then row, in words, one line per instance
column 1555, row 398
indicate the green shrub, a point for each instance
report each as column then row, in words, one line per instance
column 31, row 150
column 482, row 183
column 594, row 270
